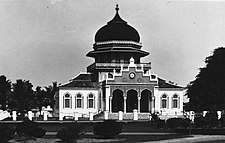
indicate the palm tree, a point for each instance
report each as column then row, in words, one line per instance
column 5, row 92
column 23, row 97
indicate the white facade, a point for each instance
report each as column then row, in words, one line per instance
column 84, row 107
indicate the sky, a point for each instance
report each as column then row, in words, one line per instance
column 47, row 40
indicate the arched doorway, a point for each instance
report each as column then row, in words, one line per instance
column 145, row 100
column 132, row 100
column 117, row 101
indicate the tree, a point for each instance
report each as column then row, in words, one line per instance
column 5, row 92
column 207, row 91
column 23, row 97
column 45, row 96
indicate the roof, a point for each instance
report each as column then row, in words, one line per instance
column 117, row 29
column 164, row 84
column 83, row 80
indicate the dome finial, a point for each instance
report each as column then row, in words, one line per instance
column 117, row 8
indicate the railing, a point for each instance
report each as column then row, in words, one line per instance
column 115, row 66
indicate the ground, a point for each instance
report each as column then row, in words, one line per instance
column 136, row 137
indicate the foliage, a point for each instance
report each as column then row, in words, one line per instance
column 45, row 96
column 222, row 120
column 158, row 122
column 200, row 122
column 174, row 123
column 6, row 133
column 107, row 129
column 5, row 92
column 23, row 97
column 207, row 91
column 210, row 120
column 28, row 129
column 71, row 133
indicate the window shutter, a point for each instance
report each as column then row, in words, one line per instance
column 161, row 102
column 178, row 102
column 75, row 103
column 167, row 104
column 172, row 103
column 63, row 102
column 82, row 102
column 94, row 102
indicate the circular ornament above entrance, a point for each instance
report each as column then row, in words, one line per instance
column 132, row 75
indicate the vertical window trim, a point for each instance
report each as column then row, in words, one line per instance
column 93, row 100
column 76, row 101
column 64, row 100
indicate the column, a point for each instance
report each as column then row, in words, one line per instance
column 110, row 104
column 14, row 115
column 139, row 104
column 153, row 105
column 125, row 104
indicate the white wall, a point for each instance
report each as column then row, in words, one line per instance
column 81, row 111
column 169, row 92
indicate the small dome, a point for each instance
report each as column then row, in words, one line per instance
column 117, row 29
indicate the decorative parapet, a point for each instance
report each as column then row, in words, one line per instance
column 118, row 42
column 98, row 66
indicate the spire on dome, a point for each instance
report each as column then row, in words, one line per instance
column 117, row 18
column 117, row 8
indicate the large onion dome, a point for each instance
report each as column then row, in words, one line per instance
column 117, row 29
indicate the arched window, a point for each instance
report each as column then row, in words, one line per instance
column 164, row 101
column 79, row 101
column 110, row 75
column 175, row 101
column 91, row 101
column 67, row 101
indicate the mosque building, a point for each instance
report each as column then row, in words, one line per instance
column 118, row 80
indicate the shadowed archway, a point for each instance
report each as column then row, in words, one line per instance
column 132, row 100
column 117, row 101
column 145, row 100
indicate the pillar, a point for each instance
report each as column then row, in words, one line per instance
column 153, row 105
column 135, row 112
column 219, row 113
column 30, row 115
column 45, row 115
column 110, row 104
column 75, row 116
column 120, row 115
column 125, row 104
column 150, row 117
column 204, row 113
column 61, row 116
column 14, row 115
column 139, row 104
column 91, row 116
column 106, row 115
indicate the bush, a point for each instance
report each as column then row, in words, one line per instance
column 6, row 133
column 29, row 129
column 222, row 120
column 174, row 123
column 71, row 133
column 212, row 119
column 107, row 129
column 200, row 122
